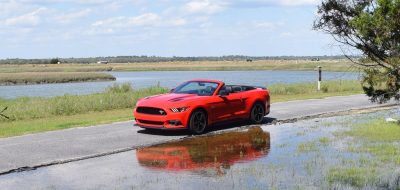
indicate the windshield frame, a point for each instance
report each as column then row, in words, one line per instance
column 178, row 88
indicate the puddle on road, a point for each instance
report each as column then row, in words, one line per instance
column 218, row 152
column 300, row 155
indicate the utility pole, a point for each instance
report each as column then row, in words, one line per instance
column 319, row 77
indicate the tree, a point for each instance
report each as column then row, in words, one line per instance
column 54, row 61
column 373, row 28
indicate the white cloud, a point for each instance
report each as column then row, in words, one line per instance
column 266, row 3
column 72, row 16
column 65, row 1
column 147, row 19
column 204, row 6
column 65, row 18
column 30, row 19
column 268, row 25
column 287, row 35
column 298, row 2
column 178, row 22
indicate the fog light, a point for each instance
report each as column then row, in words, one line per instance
column 175, row 122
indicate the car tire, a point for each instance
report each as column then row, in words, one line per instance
column 198, row 122
column 257, row 113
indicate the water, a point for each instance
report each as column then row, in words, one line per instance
column 286, row 156
column 171, row 79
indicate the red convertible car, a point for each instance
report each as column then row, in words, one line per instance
column 197, row 104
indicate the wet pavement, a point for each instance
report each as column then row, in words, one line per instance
column 285, row 156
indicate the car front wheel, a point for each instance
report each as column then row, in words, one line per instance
column 198, row 122
column 257, row 113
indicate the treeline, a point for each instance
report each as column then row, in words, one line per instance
column 135, row 59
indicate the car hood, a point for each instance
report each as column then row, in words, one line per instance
column 167, row 100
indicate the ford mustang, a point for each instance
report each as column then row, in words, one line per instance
column 198, row 104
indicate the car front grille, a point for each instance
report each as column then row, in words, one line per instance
column 151, row 122
column 151, row 111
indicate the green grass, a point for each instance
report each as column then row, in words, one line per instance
column 324, row 141
column 307, row 147
column 31, row 115
column 378, row 130
column 354, row 176
column 51, row 77
column 378, row 143
column 300, row 91
column 378, row 138
column 114, row 98
column 17, row 128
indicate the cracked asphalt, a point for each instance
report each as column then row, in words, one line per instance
column 49, row 148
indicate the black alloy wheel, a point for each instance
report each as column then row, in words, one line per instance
column 198, row 122
column 257, row 113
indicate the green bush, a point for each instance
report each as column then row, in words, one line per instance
column 54, row 61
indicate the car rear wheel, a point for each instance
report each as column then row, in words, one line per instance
column 198, row 122
column 257, row 113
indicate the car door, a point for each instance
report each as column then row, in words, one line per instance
column 228, row 107
column 220, row 108
column 236, row 104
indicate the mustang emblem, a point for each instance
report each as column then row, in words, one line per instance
column 161, row 112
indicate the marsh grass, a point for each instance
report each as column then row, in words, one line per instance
column 377, row 142
column 353, row 176
column 120, row 88
column 298, row 65
column 307, row 147
column 377, row 130
column 298, row 91
column 311, row 87
column 54, row 68
column 379, row 138
column 116, row 97
column 51, row 77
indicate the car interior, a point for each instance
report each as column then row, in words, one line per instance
column 236, row 88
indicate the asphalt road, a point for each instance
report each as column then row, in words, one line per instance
column 49, row 148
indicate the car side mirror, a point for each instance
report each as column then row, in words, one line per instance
column 223, row 93
column 172, row 90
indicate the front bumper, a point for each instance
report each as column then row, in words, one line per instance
column 171, row 121
column 159, row 128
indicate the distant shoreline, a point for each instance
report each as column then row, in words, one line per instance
column 32, row 78
column 293, row 65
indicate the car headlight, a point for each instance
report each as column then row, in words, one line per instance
column 177, row 110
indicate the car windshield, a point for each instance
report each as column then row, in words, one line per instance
column 197, row 87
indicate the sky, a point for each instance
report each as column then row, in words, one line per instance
column 91, row 28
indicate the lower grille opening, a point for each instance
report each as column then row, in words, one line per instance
column 151, row 122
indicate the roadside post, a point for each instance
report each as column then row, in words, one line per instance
column 319, row 77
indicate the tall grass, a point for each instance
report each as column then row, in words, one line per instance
column 115, row 97
column 54, row 68
column 311, row 87
column 51, row 77
column 120, row 88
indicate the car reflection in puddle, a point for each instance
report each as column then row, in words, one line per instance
column 217, row 152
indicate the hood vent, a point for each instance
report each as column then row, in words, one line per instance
column 176, row 99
